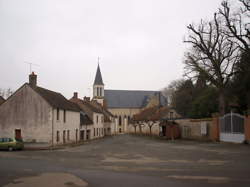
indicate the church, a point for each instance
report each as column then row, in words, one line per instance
column 123, row 104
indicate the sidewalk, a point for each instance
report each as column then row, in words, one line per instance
column 36, row 146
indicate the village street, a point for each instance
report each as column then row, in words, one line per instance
column 127, row 161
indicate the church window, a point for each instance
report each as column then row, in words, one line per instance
column 120, row 120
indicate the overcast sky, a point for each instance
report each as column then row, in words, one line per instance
column 140, row 42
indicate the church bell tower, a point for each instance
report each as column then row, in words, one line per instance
column 98, row 87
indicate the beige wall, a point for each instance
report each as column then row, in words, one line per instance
column 191, row 129
column 123, row 112
column 28, row 111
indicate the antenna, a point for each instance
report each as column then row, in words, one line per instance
column 98, row 59
column 89, row 90
column 31, row 65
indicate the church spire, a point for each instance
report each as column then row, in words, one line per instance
column 98, row 87
column 98, row 76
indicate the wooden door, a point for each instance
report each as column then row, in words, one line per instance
column 18, row 134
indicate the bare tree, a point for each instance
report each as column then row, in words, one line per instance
column 5, row 93
column 246, row 4
column 213, row 54
column 237, row 23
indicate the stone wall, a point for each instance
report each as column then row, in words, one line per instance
column 192, row 128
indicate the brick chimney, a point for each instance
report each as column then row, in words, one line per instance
column 75, row 95
column 33, row 80
column 86, row 98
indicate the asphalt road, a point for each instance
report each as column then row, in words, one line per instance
column 127, row 161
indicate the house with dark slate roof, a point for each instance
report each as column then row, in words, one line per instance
column 36, row 114
column 123, row 104
column 95, row 126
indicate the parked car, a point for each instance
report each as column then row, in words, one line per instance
column 11, row 144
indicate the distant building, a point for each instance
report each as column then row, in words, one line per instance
column 39, row 115
column 95, row 126
column 123, row 104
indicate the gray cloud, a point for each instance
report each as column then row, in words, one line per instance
column 139, row 41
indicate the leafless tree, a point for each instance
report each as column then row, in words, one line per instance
column 150, row 124
column 237, row 23
column 246, row 4
column 212, row 54
column 5, row 93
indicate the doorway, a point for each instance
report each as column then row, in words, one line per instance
column 18, row 134
column 64, row 136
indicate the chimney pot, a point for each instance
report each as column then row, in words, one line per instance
column 86, row 98
column 33, row 80
column 75, row 95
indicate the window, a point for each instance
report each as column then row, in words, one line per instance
column 97, row 119
column 57, row 113
column 64, row 116
column 102, row 119
column 97, row 91
column 94, row 131
column 82, row 135
column 120, row 120
column 57, row 136
column 64, row 136
column 97, row 132
column 76, row 135
column 68, row 135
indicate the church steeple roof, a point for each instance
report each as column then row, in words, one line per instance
column 98, row 77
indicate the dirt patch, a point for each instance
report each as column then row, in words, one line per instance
column 138, row 169
column 213, row 162
column 209, row 179
column 49, row 180
column 140, row 159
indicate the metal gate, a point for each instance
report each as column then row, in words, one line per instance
column 232, row 128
